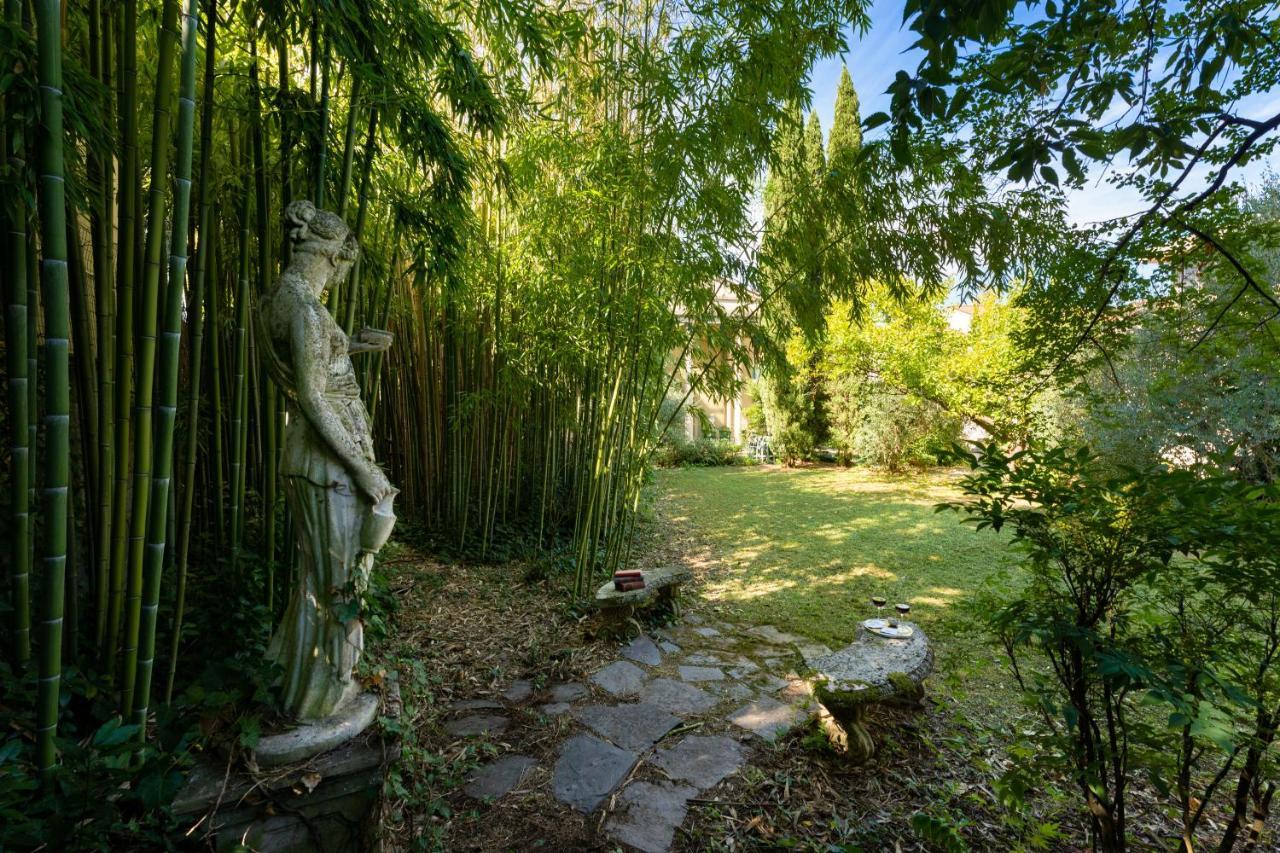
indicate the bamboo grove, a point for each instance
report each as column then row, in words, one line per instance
column 549, row 200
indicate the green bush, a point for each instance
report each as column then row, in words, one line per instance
column 1152, row 610
column 701, row 453
column 793, row 444
column 894, row 431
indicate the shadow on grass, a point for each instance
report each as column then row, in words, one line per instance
column 806, row 549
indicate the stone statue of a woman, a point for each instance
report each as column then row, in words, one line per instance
column 338, row 497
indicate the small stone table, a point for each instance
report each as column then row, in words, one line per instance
column 870, row 671
column 661, row 588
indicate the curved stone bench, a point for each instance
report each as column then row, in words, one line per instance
column 661, row 590
column 871, row 670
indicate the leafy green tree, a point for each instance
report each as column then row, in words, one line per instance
column 1160, row 98
column 1145, row 588
column 900, row 381
column 1194, row 379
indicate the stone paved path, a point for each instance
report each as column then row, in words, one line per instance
column 678, row 712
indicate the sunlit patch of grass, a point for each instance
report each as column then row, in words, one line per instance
column 806, row 549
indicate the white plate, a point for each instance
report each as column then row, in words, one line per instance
column 899, row 633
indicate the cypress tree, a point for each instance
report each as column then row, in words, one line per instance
column 840, row 188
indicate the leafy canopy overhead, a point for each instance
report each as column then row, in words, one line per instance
column 1158, row 97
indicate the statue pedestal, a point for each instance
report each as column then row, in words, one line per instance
column 327, row 803
column 316, row 736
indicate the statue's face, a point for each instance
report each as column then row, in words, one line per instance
column 341, row 269
column 344, row 259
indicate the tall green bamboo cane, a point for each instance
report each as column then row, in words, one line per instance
column 126, row 270
column 16, row 322
column 239, row 405
column 322, row 138
column 286, row 140
column 203, row 258
column 349, row 142
column 213, row 302
column 362, row 209
column 104, row 309
column 57, row 419
column 170, row 351
column 262, row 196
column 149, row 309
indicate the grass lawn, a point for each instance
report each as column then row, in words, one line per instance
column 806, row 549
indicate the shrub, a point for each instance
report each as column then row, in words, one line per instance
column 1153, row 605
column 894, row 431
column 792, row 444
column 701, row 452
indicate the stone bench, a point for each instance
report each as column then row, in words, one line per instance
column 870, row 671
column 661, row 591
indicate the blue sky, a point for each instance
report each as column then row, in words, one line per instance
column 875, row 57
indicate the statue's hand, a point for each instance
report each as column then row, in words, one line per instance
column 371, row 340
column 374, row 483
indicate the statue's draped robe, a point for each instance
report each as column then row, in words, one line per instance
column 316, row 647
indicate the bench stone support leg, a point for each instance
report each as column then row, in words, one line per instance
column 846, row 727
column 615, row 621
column 669, row 600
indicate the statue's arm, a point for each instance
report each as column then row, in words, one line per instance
column 310, row 345
column 370, row 340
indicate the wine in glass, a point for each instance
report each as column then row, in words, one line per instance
column 903, row 610
column 879, row 603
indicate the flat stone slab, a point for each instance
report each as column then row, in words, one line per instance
column 518, row 691
column 477, row 724
column 702, row 659
column 876, row 663
column 588, row 770
column 620, row 678
column 669, row 647
column 701, row 760
column 568, row 692
column 773, row 635
column 498, row 778
column 648, row 815
column 701, row 673
column 476, row 705
column 771, row 683
column 706, row 632
column 556, row 709
column 632, row 726
column 734, row 690
column 742, row 667
column 677, row 697
column 767, row 717
column 812, row 652
column 643, row 650
column 655, row 580
column 317, row 736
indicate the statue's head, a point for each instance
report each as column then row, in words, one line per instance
column 322, row 233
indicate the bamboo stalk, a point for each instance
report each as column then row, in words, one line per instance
column 204, row 255
column 149, row 310
column 16, row 275
column 125, row 271
column 170, row 351
column 104, row 309
column 57, row 419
